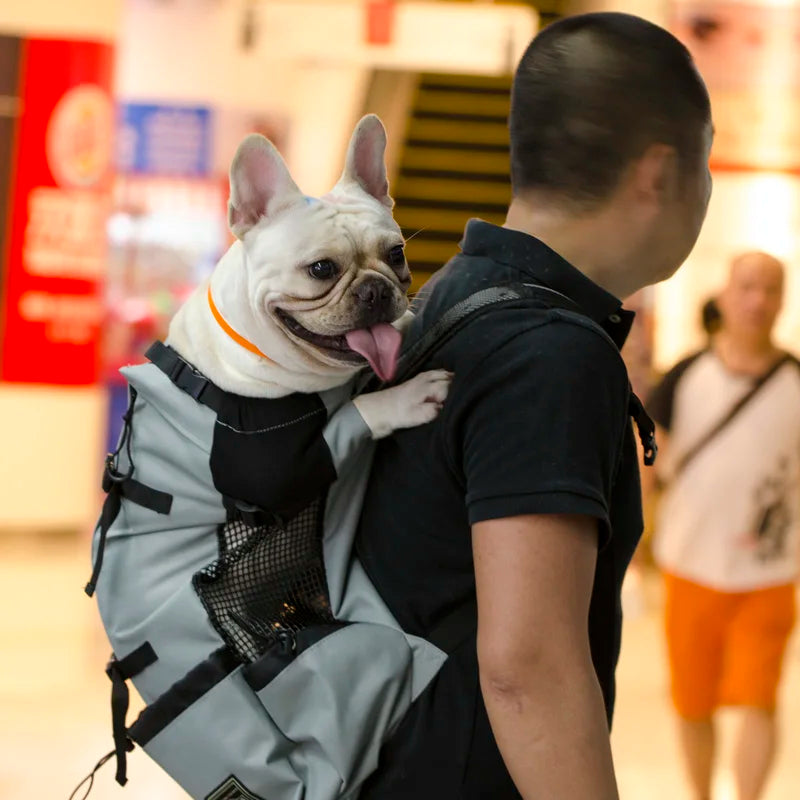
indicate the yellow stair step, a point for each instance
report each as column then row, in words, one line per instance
column 492, row 133
column 442, row 189
column 439, row 158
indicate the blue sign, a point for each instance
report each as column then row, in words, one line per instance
column 164, row 140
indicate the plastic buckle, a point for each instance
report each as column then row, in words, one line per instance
column 195, row 385
column 651, row 451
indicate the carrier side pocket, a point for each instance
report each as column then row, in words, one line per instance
column 211, row 734
column 338, row 701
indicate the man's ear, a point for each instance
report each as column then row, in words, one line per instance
column 260, row 184
column 656, row 175
column 365, row 165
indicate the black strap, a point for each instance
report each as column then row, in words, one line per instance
column 185, row 376
column 646, row 428
column 112, row 480
column 109, row 513
column 117, row 485
column 119, row 670
column 459, row 315
column 182, row 694
column 133, row 663
column 142, row 495
column 699, row 446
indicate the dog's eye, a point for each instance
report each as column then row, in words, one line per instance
column 396, row 257
column 323, row 270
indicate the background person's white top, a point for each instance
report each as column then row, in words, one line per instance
column 731, row 519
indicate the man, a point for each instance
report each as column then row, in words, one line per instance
column 727, row 535
column 525, row 490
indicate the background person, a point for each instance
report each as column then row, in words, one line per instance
column 727, row 531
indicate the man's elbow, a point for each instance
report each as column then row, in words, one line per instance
column 514, row 672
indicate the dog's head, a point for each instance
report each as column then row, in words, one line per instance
column 330, row 273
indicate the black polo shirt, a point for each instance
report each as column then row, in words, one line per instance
column 536, row 422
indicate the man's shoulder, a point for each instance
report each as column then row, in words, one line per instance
column 534, row 323
column 790, row 385
column 540, row 335
column 690, row 365
column 661, row 400
column 794, row 361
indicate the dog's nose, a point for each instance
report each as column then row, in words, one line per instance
column 374, row 293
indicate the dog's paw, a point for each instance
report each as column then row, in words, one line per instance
column 422, row 397
column 415, row 402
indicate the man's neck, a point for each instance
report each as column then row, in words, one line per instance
column 749, row 355
column 590, row 242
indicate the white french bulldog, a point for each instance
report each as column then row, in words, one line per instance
column 312, row 290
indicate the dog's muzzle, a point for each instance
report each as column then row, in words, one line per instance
column 375, row 299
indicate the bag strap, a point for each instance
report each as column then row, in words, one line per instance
column 118, row 485
column 464, row 312
column 742, row 403
column 185, row 376
column 457, row 317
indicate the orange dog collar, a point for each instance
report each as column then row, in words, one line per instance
column 248, row 345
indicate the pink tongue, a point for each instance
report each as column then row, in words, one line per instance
column 380, row 345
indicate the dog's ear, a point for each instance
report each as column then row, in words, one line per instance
column 260, row 184
column 365, row 164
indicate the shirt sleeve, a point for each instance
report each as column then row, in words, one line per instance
column 539, row 425
column 661, row 399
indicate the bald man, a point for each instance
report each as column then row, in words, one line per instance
column 727, row 533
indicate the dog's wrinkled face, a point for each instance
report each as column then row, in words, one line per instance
column 329, row 272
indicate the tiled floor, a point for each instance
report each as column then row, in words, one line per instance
column 54, row 713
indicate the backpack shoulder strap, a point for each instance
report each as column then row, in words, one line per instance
column 467, row 310
column 458, row 316
column 732, row 414
column 185, row 376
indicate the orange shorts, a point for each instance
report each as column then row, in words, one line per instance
column 725, row 648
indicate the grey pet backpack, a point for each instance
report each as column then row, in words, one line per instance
column 227, row 584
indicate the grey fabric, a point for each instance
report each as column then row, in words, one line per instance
column 345, row 434
column 228, row 732
column 144, row 592
column 315, row 731
column 352, row 595
column 338, row 700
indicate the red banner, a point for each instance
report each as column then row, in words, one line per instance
column 380, row 21
column 60, row 201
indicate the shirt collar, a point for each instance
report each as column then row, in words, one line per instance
column 533, row 257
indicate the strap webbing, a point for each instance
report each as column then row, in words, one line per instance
column 119, row 671
column 117, row 485
column 457, row 317
column 185, row 376
column 136, row 661
column 742, row 403
column 646, row 428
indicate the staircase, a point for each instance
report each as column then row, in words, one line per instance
column 453, row 165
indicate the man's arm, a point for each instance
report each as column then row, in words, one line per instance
column 534, row 577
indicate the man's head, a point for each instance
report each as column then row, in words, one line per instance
column 609, row 109
column 752, row 298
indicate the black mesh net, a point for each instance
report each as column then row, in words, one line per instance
column 269, row 579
